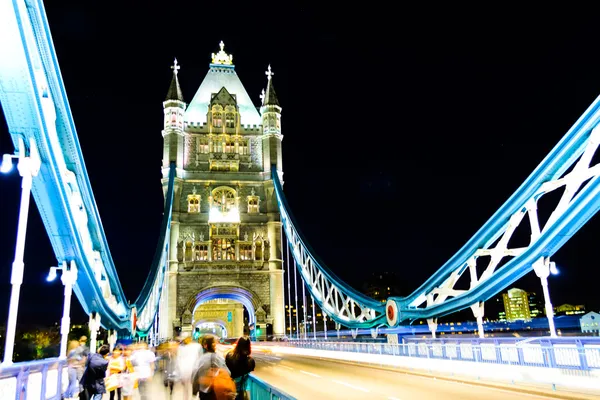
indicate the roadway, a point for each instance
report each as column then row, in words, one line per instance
column 312, row 378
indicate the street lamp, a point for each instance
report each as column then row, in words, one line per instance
column 68, row 278
column 543, row 267
column 28, row 167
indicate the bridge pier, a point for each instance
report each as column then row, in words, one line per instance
column 542, row 270
column 477, row 309
column 432, row 323
column 68, row 278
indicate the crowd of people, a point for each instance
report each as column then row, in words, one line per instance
column 194, row 366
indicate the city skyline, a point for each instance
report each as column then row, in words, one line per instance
column 430, row 125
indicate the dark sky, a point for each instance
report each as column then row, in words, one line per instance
column 404, row 128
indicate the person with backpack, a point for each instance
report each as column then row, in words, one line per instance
column 240, row 363
column 212, row 375
column 94, row 374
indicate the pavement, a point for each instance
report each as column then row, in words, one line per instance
column 314, row 379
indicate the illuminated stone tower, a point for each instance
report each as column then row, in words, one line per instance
column 225, row 245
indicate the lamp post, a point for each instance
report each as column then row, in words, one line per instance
column 28, row 167
column 68, row 278
column 542, row 268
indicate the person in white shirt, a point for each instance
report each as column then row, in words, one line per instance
column 143, row 363
column 188, row 354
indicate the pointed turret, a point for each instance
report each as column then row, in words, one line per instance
column 270, row 96
column 174, row 90
column 271, row 124
column 173, row 127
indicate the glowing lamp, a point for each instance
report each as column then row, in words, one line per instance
column 51, row 274
column 6, row 163
column 553, row 269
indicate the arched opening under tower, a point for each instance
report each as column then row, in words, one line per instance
column 232, row 308
column 217, row 328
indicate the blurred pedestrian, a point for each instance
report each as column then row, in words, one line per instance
column 240, row 364
column 74, row 364
column 94, row 374
column 116, row 365
column 143, row 363
column 207, row 364
column 188, row 356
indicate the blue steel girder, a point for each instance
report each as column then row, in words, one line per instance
column 337, row 299
column 35, row 105
column 566, row 167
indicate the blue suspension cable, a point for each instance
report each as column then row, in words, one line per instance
column 296, row 296
column 304, row 307
column 289, row 287
column 314, row 321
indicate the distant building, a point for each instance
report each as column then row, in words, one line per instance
column 516, row 305
column 590, row 323
column 569, row 309
column 536, row 308
column 381, row 285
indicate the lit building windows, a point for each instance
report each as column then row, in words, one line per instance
column 253, row 203
column 193, row 202
column 217, row 120
column 229, row 145
column 243, row 148
column 229, row 120
column 223, row 249
column 246, row 251
column 201, row 252
column 203, row 145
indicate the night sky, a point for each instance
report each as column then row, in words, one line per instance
column 404, row 128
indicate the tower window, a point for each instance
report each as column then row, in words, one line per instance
column 223, row 249
column 203, row 145
column 194, row 203
column 229, row 120
column 229, row 145
column 217, row 120
column 245, row 252
column 223, row 199
column 243, row 147
column 253, row 203
column 201, row 252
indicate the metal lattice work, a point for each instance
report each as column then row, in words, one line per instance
column 40, row 123
column 338, row 300
column 567, row 168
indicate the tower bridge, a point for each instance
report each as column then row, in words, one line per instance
column 229, row 244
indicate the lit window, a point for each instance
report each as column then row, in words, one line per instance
column 217, row 120
column 229, row 120
column 193, row 203
column 253, row 203
column 201, row 252
column 243, row 148
column 245, row 252
column 203, row 145
column 223, row 249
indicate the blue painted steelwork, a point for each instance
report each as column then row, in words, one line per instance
column 340, row 301
column 578, row 204
column 261, row 390
column 35, row 104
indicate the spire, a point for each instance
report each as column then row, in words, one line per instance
column 270, row 98
column 222, row 58
column 174, row 90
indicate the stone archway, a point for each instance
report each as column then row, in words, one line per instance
column 205, row 303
